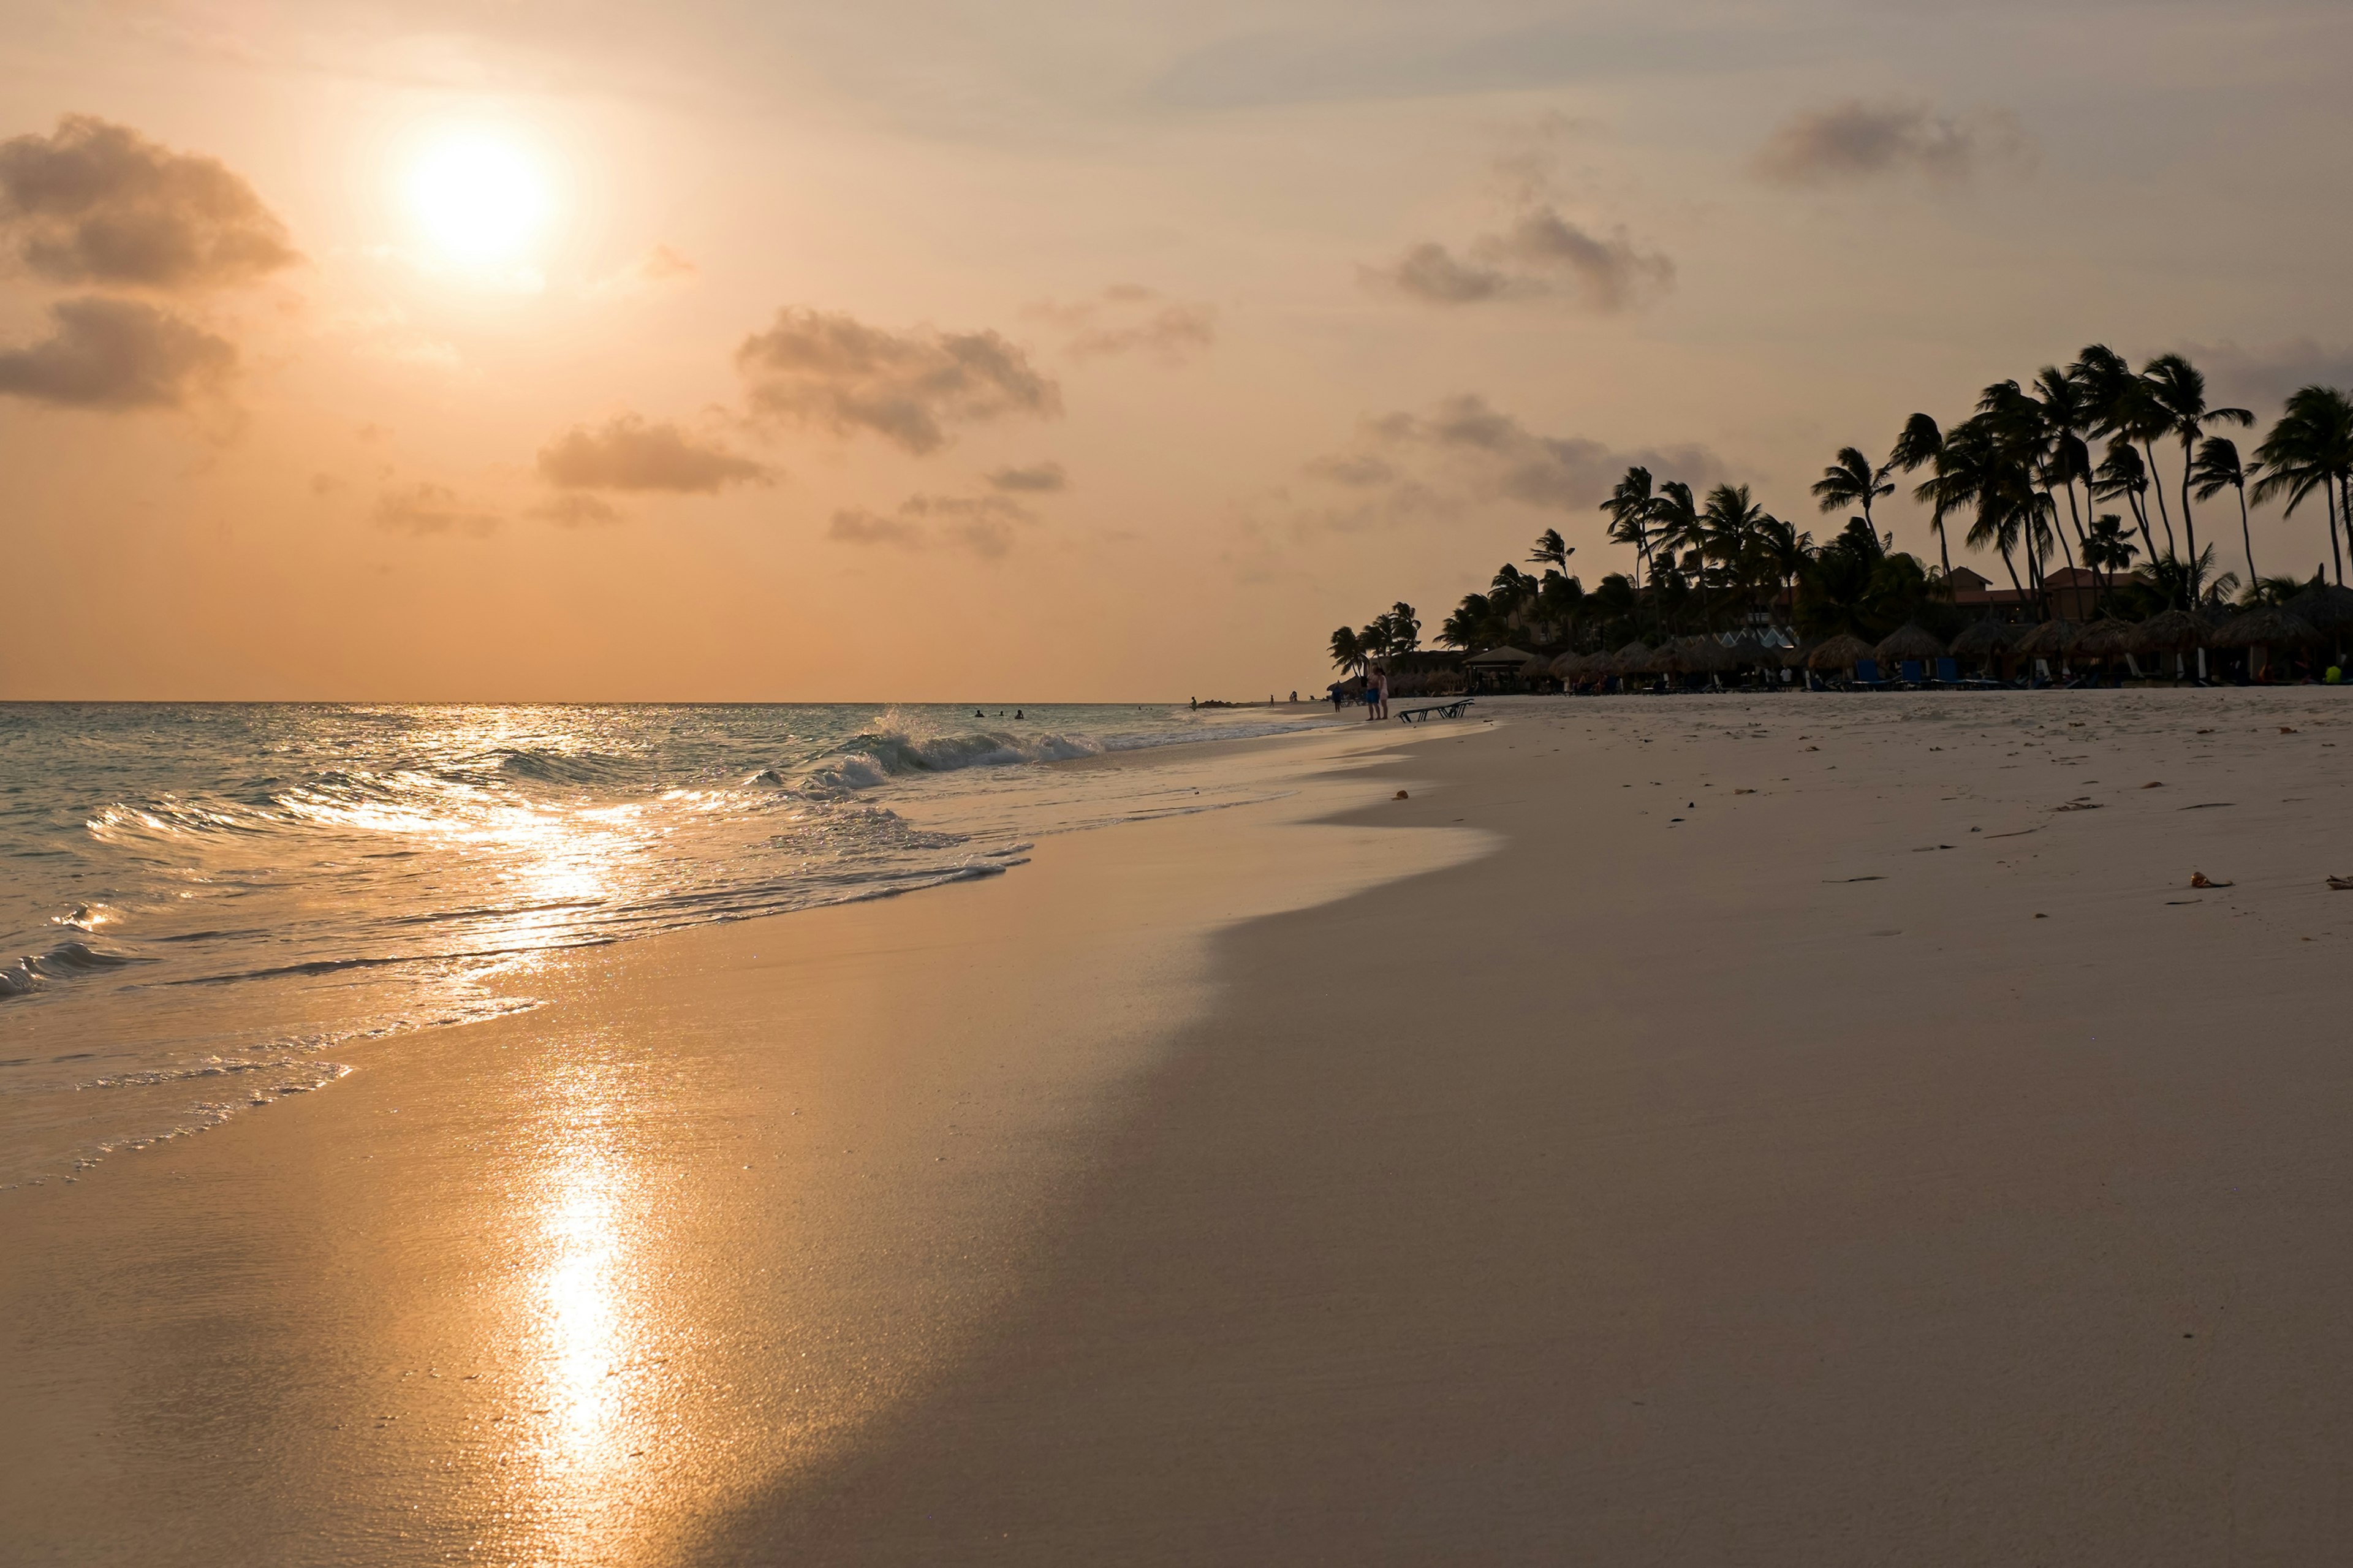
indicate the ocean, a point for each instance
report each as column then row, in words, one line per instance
column 201, row 904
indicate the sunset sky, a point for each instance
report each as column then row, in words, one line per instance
column 1011, row 351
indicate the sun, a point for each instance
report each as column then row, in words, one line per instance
column 480, row 197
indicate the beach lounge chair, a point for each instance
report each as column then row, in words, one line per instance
column 1441, row 710
column 1912, row 672
column 1948, row 672
column 1867, row 677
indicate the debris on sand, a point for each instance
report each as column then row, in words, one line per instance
column 2199, row 879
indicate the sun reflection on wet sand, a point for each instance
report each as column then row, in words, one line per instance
column 582, row 1323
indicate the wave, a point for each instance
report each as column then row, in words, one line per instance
column 878, row 756
column 543, row 766
column 64, row 961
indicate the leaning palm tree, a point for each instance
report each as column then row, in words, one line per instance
column 2177, row 389
column 2122, row 409
column 1915, row 448
column 1629, row 509
column 1851, row 481
column 2068, row 416
column 2122, row 473
column 1405, row 627
column 2217, row 468
column 1347, row 650
column 1551, row 551
column 2311, row 449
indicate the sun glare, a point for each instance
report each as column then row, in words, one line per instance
column 481, row 200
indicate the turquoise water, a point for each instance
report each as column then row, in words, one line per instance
column 199, row 902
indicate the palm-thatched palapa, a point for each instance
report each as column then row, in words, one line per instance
column 2324, row 606
column 2106, row 637
column 2261, row 627
column 2052, row 639
column 1634, row 658
column 1703, row 655
column 1983, row 639
column 1842, row 652
column 1913, row 641
column 2176, row 631
column 1567, row 666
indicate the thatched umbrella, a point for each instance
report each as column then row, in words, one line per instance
column 2106, row 637
column 2325, row 607
column 1703, row 655
column 2262, row 627
column 1567, row 666
column 1842, row 652
column 2052, row 639
column 1982, row 640
column 2176, row 631
column 1634, row 658
column 1912, row 641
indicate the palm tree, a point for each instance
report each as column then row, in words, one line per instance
column 2122, row 408
column 2217, row 469
column 1405, row 628
column 2067, row 416
column 2311, row 449
column 2123, row 474
column 1727, row 525
column 1347, row 651
column 1851, row 481
column 1975, row 469
column 1467, row 626
column 2107, row 549
column 1917, row 447
column 1783, row 552
column 1551, row 551
column 2177, row 389
column 2029, row 439
column 1629, row 508
column 1675, row 529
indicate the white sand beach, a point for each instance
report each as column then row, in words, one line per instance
column 1784, row 1130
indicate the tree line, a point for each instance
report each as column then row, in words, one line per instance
column 2025, row 475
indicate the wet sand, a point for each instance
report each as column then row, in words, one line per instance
column 1884, row 1165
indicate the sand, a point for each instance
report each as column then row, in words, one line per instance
column 1581, row 1160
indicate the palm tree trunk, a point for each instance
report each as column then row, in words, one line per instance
column 2189, row 523
column 2157, row 484
column 2140, row 516
column 1943, row 548
column 2015, row 586
column 2247, row 535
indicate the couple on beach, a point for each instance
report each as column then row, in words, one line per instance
column 1376, row 695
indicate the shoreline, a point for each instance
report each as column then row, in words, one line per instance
column 1703, row 1163
column 477, row 1211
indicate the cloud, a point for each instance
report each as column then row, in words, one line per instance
column 423, row 508
column 1404, row 467
column 1540, row 256
column 828, row 369
column 2262, row 376
column 629, row 454
column 1128, row 318
column 577, row 509
column 662, row 266
column 980, row 525
column 1857, row 140
column 116, row 354
column 1038, row 479
column 97, row 203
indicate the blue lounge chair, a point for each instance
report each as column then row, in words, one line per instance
column 1867, row 676
column 1948, row 672
column 1911, row 671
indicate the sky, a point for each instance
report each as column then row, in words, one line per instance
column 521, row 350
